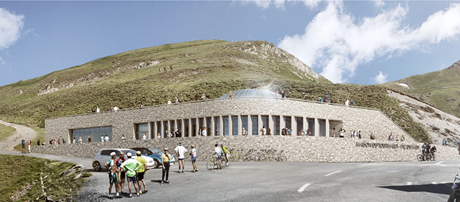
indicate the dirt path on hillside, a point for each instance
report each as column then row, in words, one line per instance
column 22, row 132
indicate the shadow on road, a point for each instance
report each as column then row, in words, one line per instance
column 431, row 188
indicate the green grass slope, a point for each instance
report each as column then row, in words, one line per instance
column 211, row 66
column 440, row 88
column 6, row 131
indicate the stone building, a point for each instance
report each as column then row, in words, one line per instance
column 248, row 110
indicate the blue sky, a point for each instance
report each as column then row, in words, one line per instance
column 363, row 42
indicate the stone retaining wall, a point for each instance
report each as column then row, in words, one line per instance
column 307, row 149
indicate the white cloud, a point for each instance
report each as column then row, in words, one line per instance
column 337, row 42
column 10, row 28
column 379, row 3
column 380, row 78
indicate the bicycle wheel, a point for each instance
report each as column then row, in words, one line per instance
column 419, row 157
column 210, row 165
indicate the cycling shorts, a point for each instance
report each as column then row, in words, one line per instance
column 140, row 176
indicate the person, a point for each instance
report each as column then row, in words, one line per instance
column 170, row 68
column 277, row 94
column 59, row 141
column 352, row 103
column 169, row 133
column 204, row 131
column 144, row 136
column 347, row 102
column 164, row 68
column 397, row 138
column 333, row 131
column 115, row 109
column 89, row 139
column 102, row 138
column 98, row 110
column 226, row 153
column 352, row 133
column 193, row 154
column 320, row 99
column 159, row 69
column 433, row 150
column 74, row 141
column 177, row 133
column 342, row 133
column 180, row 151
column 263, row 130
column 269, row 131
column 140, row 105
column 244, row 132
column 79, row 140
column 197, row 97
column 106, row 138
column 176, row 100
column 23, row 142
column 283, row 95
column 372, row 136
column 326, row 99
column 402, row 138
column 390, row 137
column 203, row 96
column 165, row 157
column 38, row 142
column 309, row 132
column 29, row 143
column 121, row 173
column 93, row 110
column 130, row 167
column 359, row 135
column 123, row 137
column 443, row 142
column 218, row 153
column 169, row 102
column 63, row 141
column 112, row 171
column 141, row 172
column 231, row 94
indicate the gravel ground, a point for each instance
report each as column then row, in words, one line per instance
column 22, row 132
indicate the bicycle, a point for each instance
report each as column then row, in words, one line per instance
column 248, row 156
column 210, row 165
column 234, row 155
column 454, row 191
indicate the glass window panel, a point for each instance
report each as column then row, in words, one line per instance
column 166, row 129
column 276, row 123
column 173, row 128
column 187, row 128
column 322, row 128
column 255, row 125
column 217, row 126
column 208, row 126
column 244, row 122
column 226, row 126
column 287, row 122
column 311, row 126
column 194, row 127
column 152, row 136
column 234, row 125
column 299, row 122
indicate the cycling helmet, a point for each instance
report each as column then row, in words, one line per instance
column 113, row 154
column 129, row 154
column 138, row 153
column 221, row 144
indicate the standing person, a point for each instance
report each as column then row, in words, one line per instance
column 263, row 130
column 63, row 141
column 193, row 154
column 141, row 172
column 89, row 139
column 165, row 166
column 123, row 137
column 102, row 138
column 176, row 133
column 283, row 95
column 231, row 94
column 342, row 132
column 176, row 100
column 226, row 153
column 28, row 144
column 170, row 68
column 333, row 132
column 159, row 69
column 106, row 138
column 23, row 142
column 164, row 68
column 218, row 153
column 130, row 167
column 112, row 171
column 144, row 136
column 309, row 132
column 203, row 96
column 244, row 132
column 59, row 141
column 169, row 102
column 80, row 140
column 98, row 110
column 347, row 102
column 38, row 142
column 204, row 131
column 121, row 173
column 74, row 141
column 180, row 151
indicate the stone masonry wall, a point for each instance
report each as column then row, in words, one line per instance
column 307, row 149
column 366, row 120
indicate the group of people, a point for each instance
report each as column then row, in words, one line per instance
column 80, row 140
column 164, row 69
column 54, row 141
column 428, row 150
column 25, row 142
column 391, row 137
column 97, row 110
column 121, row 168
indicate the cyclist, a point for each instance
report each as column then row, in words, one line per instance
column 112, row 170
column 226, row 153
column 454, row 187
column 218, row 152
column 433, row 150
column 423, row 151
column 427, row 151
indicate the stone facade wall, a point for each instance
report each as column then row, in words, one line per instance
column 352, row 118
column 307, row 149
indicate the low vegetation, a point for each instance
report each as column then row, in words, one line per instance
column 6, row 131
column 23, row 176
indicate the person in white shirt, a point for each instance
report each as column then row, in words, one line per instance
column 169, row 102
column 204, row 131
column 102, row 138
column 98, row 110
column 180, row 151
column 193, row 154
column 347, row 102
column 115, row 109
column 218, row 152
column 80, row 140
column 106, row 138
column 144, row 137
column 177, row 100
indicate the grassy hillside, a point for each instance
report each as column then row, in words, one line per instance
column 440, row 88
column 211, row 66
column 6, row 131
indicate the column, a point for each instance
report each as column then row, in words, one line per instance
column 197, row 128
column 327, row 128
column 162, row 129
column 305, row 123
column 316, row 127
column 205, row 124
column 230, row 125
column 182, row 130
column 213, row 126
column 190, row 132
column 260, row 125
column 240, row 124
column 221, row 120
column 169, row 128
column 295, row 132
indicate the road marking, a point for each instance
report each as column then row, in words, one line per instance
column 439, row 163
column 333, row 173
column 409, row 183
column 434, row 183
column 303, row 187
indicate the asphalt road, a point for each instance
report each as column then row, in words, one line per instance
column 287, row 181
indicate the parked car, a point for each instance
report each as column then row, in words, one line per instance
column 155, row 154
column 104, row 155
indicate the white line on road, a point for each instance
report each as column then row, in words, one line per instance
column 333, row 173
column 439, row 163
column 303, row 187
column 409, row 183
column 434, row 183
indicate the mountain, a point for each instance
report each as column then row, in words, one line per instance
column 213, row 67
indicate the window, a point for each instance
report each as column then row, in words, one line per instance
column 226, row 126
column 276, row 122
column 152, row 136
column 94, row 133
column 255, row 125
column 158, row 129
column 201, row 124
column 165, row 129
column 106, row 152
column 244, row 122
column 172, row 127
column 299, row 122
column 311, row 126
column 141, row 129
column 322, row 127
column 287, row 122
column 187, row 128
column 217, row 126
column 179, row 127
column 208, row 126
column 194, row 127
column 234, row 125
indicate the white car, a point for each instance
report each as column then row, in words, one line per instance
column 103, row 156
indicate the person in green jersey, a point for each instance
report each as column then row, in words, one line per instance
column 131, row 166
column 141, row 172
